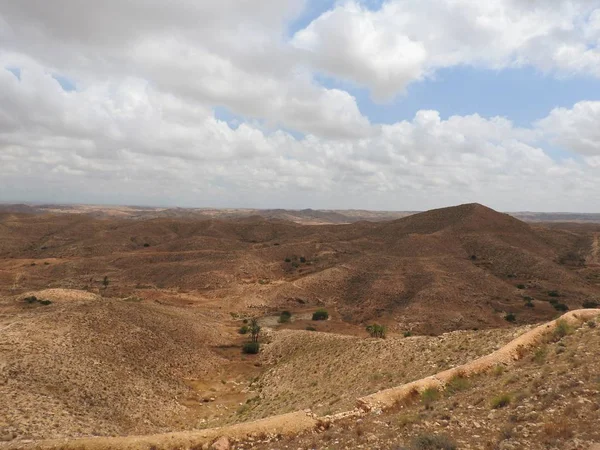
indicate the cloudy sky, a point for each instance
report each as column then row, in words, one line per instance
column 397, row 104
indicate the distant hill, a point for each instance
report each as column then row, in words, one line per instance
column 475, row 264
column 304, row 216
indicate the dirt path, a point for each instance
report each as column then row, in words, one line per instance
column 300, row 421
column 594, row 257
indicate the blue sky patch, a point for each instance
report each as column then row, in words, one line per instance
column 66, row 83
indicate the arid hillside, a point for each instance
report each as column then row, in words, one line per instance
column 113, row 326
column 476, row 264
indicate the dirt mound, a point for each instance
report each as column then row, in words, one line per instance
column 61, row 295
column 100, row 366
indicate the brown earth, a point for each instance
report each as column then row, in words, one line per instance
column 158, row 349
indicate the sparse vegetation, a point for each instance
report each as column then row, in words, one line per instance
column 251, row 348
column 433, row 442
column 591, row 304
column 310, row 328
column 320, row 314
column 457, row 383
column 408, row 334
column 376, row 331
column 429, row 395
column 500, row 401
column 244, row 329
column 540, row 355
column 510, row 317
column 560, row 306
column 562, row 329
column 254, row 329
column 285, row 317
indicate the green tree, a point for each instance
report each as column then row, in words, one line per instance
column 105, row 282
column 254, row 330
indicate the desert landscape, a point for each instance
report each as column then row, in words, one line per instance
column 126, row 330
column 299, row 225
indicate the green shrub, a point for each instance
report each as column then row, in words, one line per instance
column 146, row 245
column 244, row 330
column 407, row 333
column 529, row 304
column 540, row 355
column 553, row 294
column 45, row 302
column 251, row 348
column 285, row 317
column 510, row 317
column 433, row 442
column 377, row 331
column 457, row 383
column 560, row 307
column 320, row 314
column 500, row 401
column 302, row 259
column 430, row 395
column 310, row 328
column 591, row 324
column 562, row 329
column 521, row 286
column 288, row 260
column 590, row 304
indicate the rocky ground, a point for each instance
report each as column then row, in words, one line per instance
column 548, row 400
column 327, row 372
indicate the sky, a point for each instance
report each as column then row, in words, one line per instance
column 372, row 104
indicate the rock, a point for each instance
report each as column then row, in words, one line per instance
column 7, row 437
column 221, row 444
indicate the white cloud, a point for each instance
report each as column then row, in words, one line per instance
column 226, row 53
column 96, row 143
column 141, row 126
column 576, row 129
column 404, row 41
